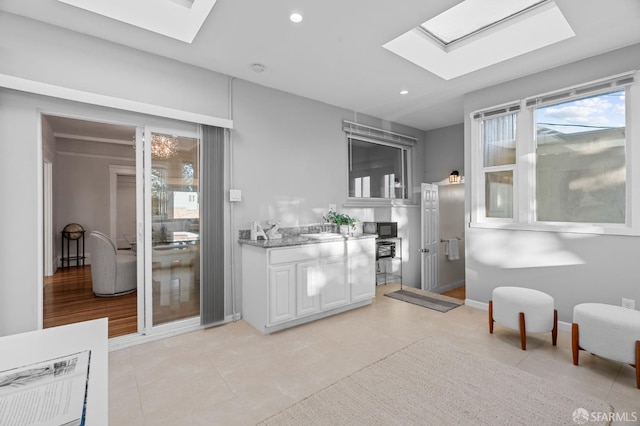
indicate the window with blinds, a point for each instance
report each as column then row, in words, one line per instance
column 498, row 163
column 576, row 171
column 379, row 162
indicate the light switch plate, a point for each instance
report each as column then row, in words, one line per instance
column 235, row 195
column 628, row 303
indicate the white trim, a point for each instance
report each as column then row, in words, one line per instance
column 602, row 85
column 49, row 250
column 114, row 172
column 46, row 89
column 525, row 169
column 99, row 156
column 40, row 226
column 91, row 139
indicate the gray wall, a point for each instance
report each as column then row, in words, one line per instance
column 444, row 152
column 82, row 186
column 289, row 152
column 290, row 161
column 40, row 52
column 573, row 268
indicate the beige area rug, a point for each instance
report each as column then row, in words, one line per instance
column 433, row 383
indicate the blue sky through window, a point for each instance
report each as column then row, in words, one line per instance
column 603, row 111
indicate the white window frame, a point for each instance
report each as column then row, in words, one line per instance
column 525, row 168
column 377, row 136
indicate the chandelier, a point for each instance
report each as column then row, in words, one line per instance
column 163, row 146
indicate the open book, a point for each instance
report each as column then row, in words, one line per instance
column 47, row 393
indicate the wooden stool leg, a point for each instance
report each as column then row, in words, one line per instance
column 490, row 316
column 575, row 345
column 637, row 364
column 523, row 332
column 554, row 331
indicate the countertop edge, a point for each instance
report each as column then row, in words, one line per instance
column 301, row 241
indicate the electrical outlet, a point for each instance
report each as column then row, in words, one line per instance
column 628, row 303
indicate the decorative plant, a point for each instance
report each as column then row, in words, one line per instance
column 340, row 219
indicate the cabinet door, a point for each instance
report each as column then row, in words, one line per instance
column 282, row 303
column 308, row 286
column 335, row 290
column 362, row 276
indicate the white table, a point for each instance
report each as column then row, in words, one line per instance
column 23, row 349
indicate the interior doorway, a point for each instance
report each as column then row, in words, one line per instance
column 81, row 156
column 122, row 205
column 451, row 229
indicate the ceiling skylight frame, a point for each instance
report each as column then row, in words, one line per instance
column 475, row 32
column 177, row 19
column 512, row 36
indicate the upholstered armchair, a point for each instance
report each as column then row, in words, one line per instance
column 112, row 272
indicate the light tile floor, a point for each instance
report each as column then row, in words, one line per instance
column 234, row 375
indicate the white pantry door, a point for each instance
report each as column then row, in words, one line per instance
column 430, row 239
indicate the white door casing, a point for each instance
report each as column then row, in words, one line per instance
column 114, row 172
column 430, row 238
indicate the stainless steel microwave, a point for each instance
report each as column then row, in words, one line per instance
column 383, row 229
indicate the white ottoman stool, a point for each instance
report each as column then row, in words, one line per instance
column 609, row 331
column 523, row 309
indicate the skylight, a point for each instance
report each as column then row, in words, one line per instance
column 178, row 19
column 541, row 24
column 471, row 16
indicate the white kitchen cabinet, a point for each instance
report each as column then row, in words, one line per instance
column 282, row 302
column 362, row 270
column 335, row 291
column 286, row 286
column 309, row 284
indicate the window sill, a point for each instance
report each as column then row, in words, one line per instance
column 373, row 202
column 559, row 228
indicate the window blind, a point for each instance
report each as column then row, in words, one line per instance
column 594, row 87
column 378, row 134
column 496, row 111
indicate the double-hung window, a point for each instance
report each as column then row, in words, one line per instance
column 497, row 131
column 581, row 159
column 560, row 161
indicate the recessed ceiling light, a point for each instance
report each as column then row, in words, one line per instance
column 295, row 17
column 404, row 92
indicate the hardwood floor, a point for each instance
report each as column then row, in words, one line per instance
column 68, row 298
column 458, row 293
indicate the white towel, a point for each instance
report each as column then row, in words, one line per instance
column 451, row 249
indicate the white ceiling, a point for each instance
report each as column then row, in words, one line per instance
column 335, row 54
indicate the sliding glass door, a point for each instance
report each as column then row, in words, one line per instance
column 172, row 227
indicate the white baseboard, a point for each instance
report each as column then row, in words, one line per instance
column 448, row 287
column 563, row 326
